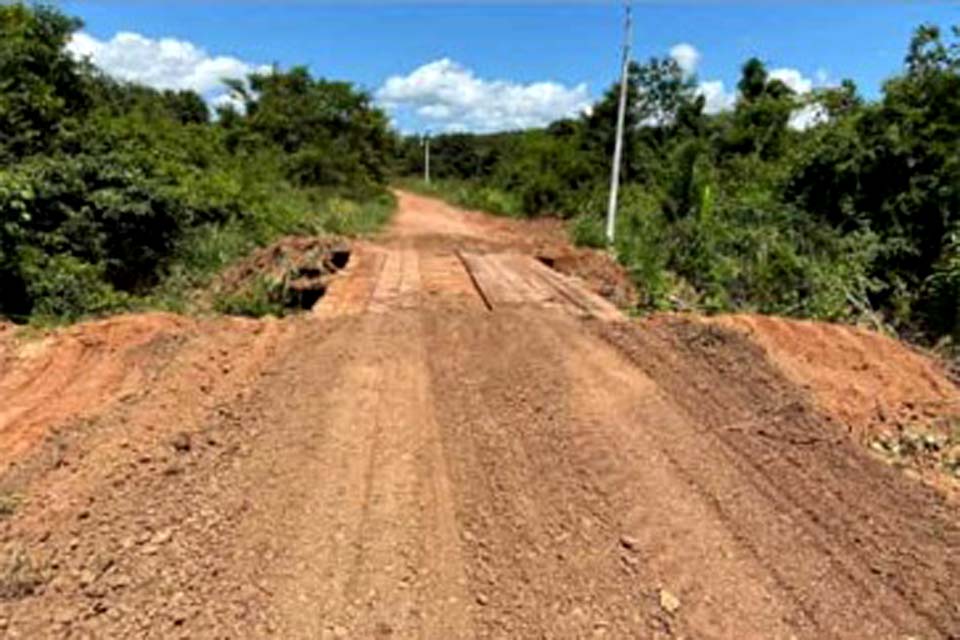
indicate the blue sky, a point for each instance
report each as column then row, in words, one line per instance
column 495, row 53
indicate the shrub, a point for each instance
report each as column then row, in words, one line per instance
column 588, row 230
column 261, row 298
column 66, row 288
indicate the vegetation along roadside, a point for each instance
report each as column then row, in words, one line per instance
column 115, row 196
column 824, row 206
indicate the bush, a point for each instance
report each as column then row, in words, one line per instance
column 941, row 291
column 588, row 230
column 66, row 288
column 264, row 297
column 641, row 247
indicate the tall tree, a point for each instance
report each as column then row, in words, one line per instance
column 762, row 113
column 40, row 84
column 332, row 131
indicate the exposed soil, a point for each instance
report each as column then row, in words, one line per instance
column 897, row 401
column 865, row 379
column 460, row 441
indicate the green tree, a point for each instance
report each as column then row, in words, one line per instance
column 41, row 85
column 331, row 131
column 600, row 127
column 762, row 113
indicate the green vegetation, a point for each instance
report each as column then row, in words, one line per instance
column 856, row 217
column 116, row 196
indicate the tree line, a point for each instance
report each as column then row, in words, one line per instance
column 114, row 195
column 854, row 217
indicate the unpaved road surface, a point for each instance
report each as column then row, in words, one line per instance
column 457, row 442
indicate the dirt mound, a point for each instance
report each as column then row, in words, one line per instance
column 865, row 379
column 601, row 273
column 297, row 270
column 64, row 378
column 69, row 373
column 887, row 395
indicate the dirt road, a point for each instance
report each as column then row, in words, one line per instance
column 457, row 442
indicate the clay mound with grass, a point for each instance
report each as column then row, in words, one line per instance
column 293, row 273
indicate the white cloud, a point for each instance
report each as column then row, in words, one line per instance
column 716, row 96
column 451, row 97
column 808, row 116
column 229, row 101
column 793, row 79
column 166, row 63
column 686, row 56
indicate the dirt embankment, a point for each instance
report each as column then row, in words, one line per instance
column 897, row 401
column 462, row 442
column 866, row 380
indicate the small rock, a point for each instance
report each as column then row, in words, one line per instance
column 629, row 542
column 162, row 537
column 87, row 577
column 669, row 602
column 119, row 581
column 482, row 599
column 181, row 442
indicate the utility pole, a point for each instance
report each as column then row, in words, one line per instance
column 621, row 116
column 426, row 157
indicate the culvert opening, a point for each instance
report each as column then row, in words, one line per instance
column 308, row 272
column 308, row 283
column 304, row 298
column 289, row 277
column 547, row 261
column 340, row 258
